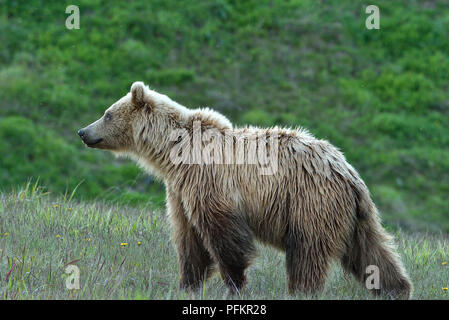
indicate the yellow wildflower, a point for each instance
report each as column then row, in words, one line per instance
column 6, row 234
column 69, row 209
column 444, row 263
column 56, row 206
column 445, row 288
column 58, row 236
column 139, row 243
column 124, row 244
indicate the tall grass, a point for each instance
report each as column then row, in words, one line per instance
column 381, row 96
column 126, row 253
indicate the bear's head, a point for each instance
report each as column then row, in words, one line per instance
column 145, row 125
column 141, row 119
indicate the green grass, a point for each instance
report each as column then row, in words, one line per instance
column 380, row 95
column 40, row 234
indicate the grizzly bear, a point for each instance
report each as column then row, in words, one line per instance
column 305, row 200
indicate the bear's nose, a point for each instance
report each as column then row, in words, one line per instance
column 81, row 133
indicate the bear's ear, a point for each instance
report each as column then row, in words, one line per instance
column 138, row 93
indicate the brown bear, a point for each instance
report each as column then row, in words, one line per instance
column 223, row 192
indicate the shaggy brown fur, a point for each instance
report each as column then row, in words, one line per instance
column 315, row 207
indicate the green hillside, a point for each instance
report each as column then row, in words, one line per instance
column 381, row 96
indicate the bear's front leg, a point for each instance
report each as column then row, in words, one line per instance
column 195, row 262
column 230, row 240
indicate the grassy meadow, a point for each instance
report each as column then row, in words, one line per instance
column 126, row 253
column 381, row 96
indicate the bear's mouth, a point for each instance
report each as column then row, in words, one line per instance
column 93, row 143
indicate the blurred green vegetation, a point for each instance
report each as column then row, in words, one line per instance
column 379, row 95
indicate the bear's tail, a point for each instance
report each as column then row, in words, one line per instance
column 372, row 246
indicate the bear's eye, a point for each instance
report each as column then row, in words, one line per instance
column 107, row 116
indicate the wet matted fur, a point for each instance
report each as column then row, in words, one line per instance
column 314, row 207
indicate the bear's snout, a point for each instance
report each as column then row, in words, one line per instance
column 81, row 133
column 87, row 139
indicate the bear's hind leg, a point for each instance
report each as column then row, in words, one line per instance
column 307, row 264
